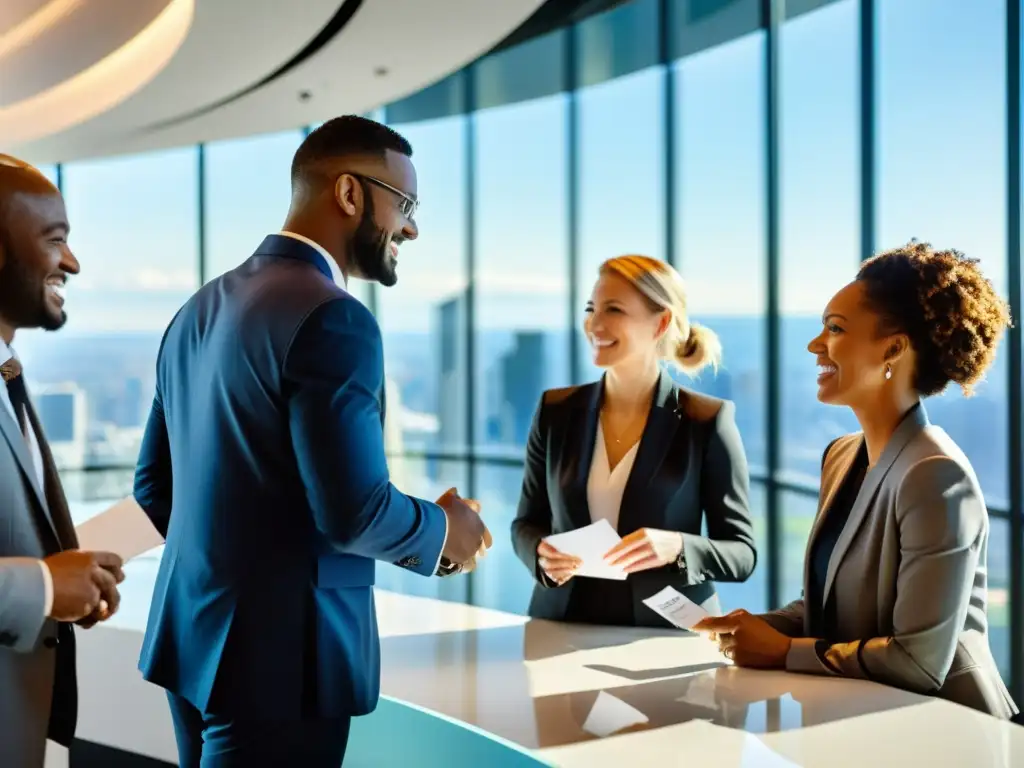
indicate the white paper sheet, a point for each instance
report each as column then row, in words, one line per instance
column 676, row 608
column 590, row 544
column 610, row 715
column 757, row 754
column 123, row 529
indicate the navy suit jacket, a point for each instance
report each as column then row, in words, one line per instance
column 263, row 466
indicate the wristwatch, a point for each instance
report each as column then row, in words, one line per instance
column 447, row 568
column 681, row 561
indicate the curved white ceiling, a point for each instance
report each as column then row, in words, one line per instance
column 73, row 66
column 234, row 44
column 46, row 46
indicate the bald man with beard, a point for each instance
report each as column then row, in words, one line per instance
column 46, row 584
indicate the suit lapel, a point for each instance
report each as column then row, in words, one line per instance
column 662, row 422
column 912, row 423
column 837, row 466
column 582, row 432
column 19, row 446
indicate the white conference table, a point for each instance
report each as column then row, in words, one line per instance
column 543, row 693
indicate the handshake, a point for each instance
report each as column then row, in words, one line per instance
column 468, row 537
column 84, row 586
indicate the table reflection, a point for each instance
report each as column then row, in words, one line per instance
column 589, row 697
column 544, row 684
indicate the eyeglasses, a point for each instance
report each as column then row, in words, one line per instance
column 407, row 204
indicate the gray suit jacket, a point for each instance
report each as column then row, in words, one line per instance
column 37, row 655
column 908, row 575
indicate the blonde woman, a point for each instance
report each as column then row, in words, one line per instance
column 651, row 457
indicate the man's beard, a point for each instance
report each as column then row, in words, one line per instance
column 371, row 252
column 23, row 300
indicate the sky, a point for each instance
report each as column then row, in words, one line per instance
column 941, row 177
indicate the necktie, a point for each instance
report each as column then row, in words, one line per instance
column 12, row 375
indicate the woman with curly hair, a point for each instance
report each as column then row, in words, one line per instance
column 895, row 576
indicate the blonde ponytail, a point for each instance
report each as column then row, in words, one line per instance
column 699, row 350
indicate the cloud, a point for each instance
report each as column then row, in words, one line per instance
column 146, row 279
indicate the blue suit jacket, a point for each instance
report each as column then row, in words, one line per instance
column 269, row 408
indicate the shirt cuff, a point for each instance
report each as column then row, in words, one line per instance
column 47, row 589
column 444, row 542
column 807, row 655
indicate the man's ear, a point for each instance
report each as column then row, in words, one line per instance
column 348, row 193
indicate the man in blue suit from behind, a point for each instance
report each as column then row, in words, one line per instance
column 263, row 466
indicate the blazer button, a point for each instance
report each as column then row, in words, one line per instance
column 6, row 638
column 50, row 642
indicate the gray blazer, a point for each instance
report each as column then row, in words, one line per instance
column 37, row 655
column 908, row 575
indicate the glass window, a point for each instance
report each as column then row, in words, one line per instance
column 753, row 593
column 999, row 593
column 528, row 71
column 426, row 479
column 795, row 8
column 501, row 582
column 720, row 220
column 698, row 25
column 618, row 42
column 942, row 176
column 521, row 323
column 443, row 99
column 248, row 191
column 423, row 317
column 796, row 512
column 820, row 217
column 50, row 172
column 93, row 381
column 621, row 183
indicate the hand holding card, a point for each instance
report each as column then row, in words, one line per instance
column 676, row 608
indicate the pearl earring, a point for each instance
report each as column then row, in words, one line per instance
column 888, row 371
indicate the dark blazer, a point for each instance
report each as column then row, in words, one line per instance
column 263, row 465
column 38, row 689
column 690, row 466
column 908, row 577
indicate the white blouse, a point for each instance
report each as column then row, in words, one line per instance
column 604, row 486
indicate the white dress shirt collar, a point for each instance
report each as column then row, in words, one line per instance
column 5, row 352
column 336, row 274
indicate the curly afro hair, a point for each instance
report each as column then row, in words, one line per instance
column 949, row 310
